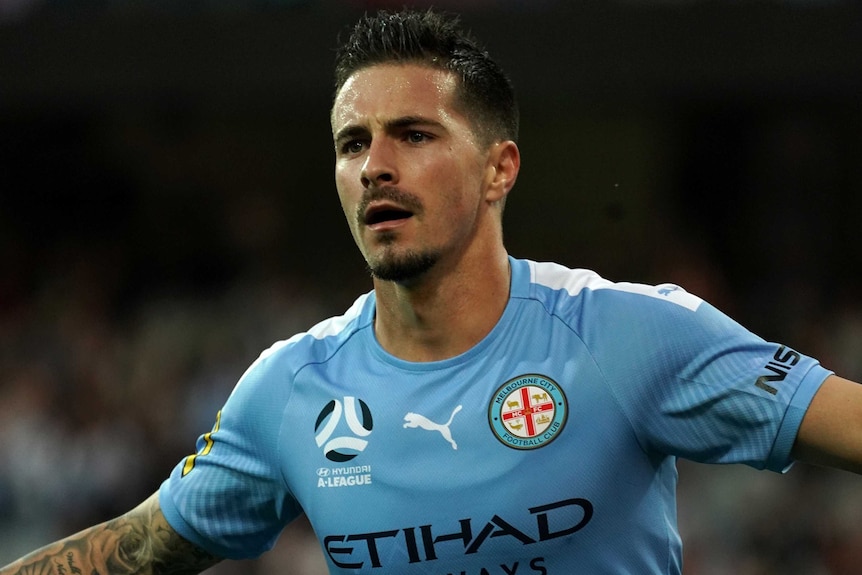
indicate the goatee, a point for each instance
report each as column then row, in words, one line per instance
column 403, row 269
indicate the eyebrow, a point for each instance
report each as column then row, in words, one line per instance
column 351, row 131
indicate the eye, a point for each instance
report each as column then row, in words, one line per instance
column 415, row 137
column 353, row 147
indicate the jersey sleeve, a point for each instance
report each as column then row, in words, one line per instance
column 230, row 498
column 696, row 384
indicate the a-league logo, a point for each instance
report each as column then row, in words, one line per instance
column 345, row 447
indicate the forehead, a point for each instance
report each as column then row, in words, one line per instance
column 391, row 90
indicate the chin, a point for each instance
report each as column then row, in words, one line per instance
column 404, row 268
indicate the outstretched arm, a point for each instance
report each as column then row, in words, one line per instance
column 831, row 431
column 139, row 542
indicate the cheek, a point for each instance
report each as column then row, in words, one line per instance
column 343, row 189
column 349, row 209
column 457, row 176
column 464, row 187
column 348, row 206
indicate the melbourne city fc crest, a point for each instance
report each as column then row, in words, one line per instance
column 528, row 412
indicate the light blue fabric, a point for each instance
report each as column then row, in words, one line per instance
column 548, row 448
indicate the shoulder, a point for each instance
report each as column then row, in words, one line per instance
column 326, row 337
column 561, row 289
column 319, row 344
column 640, row 320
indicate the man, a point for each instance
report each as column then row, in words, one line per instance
column 474, row 413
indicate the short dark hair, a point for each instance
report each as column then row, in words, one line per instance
column 485, row 93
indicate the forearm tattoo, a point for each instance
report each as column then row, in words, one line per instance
column 139, row 542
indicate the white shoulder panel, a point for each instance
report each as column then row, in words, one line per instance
column 335, row 325
column 556, row 276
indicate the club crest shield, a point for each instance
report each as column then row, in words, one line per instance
column 528, row 411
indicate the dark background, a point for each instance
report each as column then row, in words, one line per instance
column 167, row 210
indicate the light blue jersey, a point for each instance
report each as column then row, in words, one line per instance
column 549, row 448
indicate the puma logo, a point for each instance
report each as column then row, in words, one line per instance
column 416, row 420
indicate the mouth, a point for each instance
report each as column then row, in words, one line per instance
column 385, row 214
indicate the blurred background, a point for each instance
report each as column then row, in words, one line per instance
column 167, row 211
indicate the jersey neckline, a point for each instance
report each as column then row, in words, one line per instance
column 518, row 288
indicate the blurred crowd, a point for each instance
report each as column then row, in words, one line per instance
column 96, row 410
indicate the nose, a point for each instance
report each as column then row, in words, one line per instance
column 379, row 166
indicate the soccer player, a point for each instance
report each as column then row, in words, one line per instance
column 475, row 413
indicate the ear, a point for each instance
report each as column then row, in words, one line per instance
column 504, row 163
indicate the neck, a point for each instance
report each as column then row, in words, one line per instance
column 446, row 312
